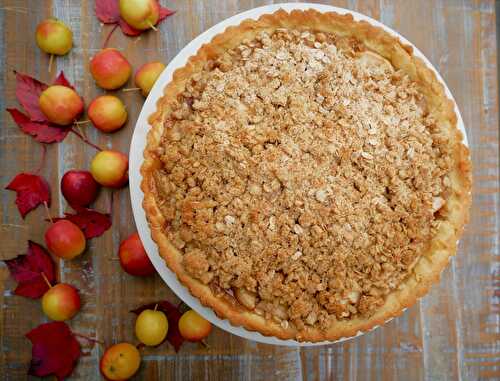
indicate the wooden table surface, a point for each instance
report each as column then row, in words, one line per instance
column 451, row 334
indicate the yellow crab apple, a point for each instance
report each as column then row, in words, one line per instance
column 60, row 104
column 107, row 113
column 110, row 69
column 146, row 76
column 120, row 362
column 61, row 302
column 110, row 168
column 193, row 327
column 140, row 14
column 54, row 37
column 151, row 327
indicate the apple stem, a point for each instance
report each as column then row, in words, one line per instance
column 77, row 122
column 48, row 212
column 92, row 340
column 45, row 279
column 42, row 162
column 204, row 343
column 131, row 89
column 152, row 26
column 156, row 306
column 51, row 59
column 85, row 139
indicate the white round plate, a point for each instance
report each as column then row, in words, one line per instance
column 139, row 142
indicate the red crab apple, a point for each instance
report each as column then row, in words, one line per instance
column 120, row 361
column 65, row 240
column 193, row 327
column 110, row 168
column 146, row 76
column 54, row 37
column 61, row 302
column 60, row 104
column 79, row 188
column 110, row 69
column 107, row 113
column 140, row 14
column 133, row 257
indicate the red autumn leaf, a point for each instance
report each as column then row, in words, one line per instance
column 108, row 12
column 43, row 132
column 55, row 350
column 92, row 222
column 27, row 271
column 61, row 80
column 32, row 190
column 173, row 314
column 28, row 90
column 127, row 29
column 164, row 13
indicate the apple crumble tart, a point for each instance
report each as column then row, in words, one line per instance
column 305, row 177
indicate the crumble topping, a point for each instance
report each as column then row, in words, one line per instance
column 303, row 175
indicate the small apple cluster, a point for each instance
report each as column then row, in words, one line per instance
column 61, row 105
column 121, row 361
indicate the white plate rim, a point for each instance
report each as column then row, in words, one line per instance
column 138, row 144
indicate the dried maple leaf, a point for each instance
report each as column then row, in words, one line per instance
column 55, row 350
column 32, row 190
column 61, row 80
column 27, row 271
column 43, row 132
column 108, row 12
column 92, row 222
column 173, row 314
column 28, row 90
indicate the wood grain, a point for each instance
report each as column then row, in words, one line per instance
column 451, row 334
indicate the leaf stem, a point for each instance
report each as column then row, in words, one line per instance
column 106, row 41
column 85, row 139
column 46, row 279
column 48, row 212
column 42, row 162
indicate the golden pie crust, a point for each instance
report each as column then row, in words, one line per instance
column 447, row 225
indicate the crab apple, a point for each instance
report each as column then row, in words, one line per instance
column 110, row 168
column 61, row 302
column 110, row 69
column 65, row 240
column 193, row 327
column 54, row 37
column 146, row 76
column 120, row 361
column 151, row 327
column 133, row 257
column 79, row 188
column 107, row 113
column 60, row 104
column 140, row 14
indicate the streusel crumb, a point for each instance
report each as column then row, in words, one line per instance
column 303, row 175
